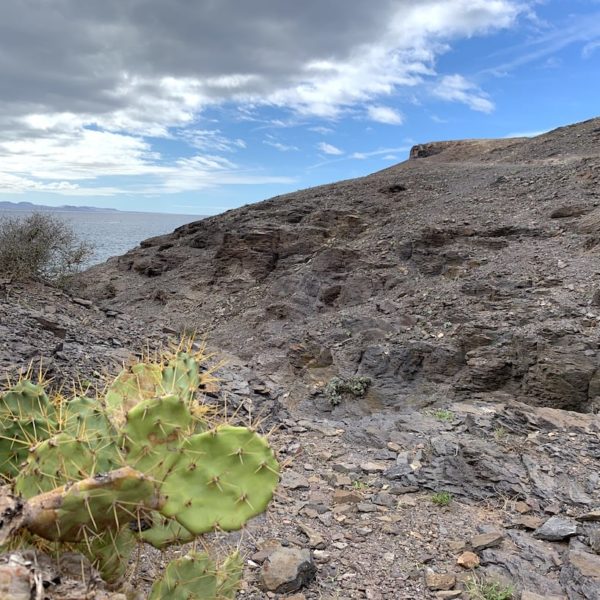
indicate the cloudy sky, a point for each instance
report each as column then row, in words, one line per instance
column 197, row 106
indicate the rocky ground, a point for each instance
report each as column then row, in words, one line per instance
column 462, row 288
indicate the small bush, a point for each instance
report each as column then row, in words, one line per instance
column 40, row 246
column 444, row 415
column 480, row 589
column 442, row 498
column 357, row 386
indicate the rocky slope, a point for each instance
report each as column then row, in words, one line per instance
column 471, row 268
column 463, row 284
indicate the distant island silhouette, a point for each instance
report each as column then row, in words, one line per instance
column 6, row 205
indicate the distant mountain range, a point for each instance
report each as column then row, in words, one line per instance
column 29, row 206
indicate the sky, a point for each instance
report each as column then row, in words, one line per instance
column 196, row 107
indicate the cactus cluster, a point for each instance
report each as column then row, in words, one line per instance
column 143, row 464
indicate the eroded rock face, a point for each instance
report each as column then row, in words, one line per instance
column 469, row 270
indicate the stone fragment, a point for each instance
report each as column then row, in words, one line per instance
column 468, row 560
column 587, row 564
column 526, row 595
column 486, row 540
column 594, row 539
column 439, row 581
column 528, row 522
column 346, row 497
column 315, row 539
column 294, row 481
column 343, row 467
column 556, row 529
column 448, row 594
column 366, row 507
column 16, row 582
column 593, row 515
column 371, row 467
column 288, row 570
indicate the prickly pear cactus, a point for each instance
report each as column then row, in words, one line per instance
column 223, row 478
column 196, row 577
column 141, row 464
column 91, row 506
column 153, row 433
column 110, row 552
column 63, row 458
column 165, row 531
column 26, row 417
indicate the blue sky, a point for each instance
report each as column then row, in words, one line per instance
column 196, row 108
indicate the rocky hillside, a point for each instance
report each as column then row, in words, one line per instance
column 426, row 341
column 470, row 269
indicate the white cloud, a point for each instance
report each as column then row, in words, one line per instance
column 90, row 97
column 275, row 143
column 329, row 149
column 364, row 155
column 321, row 129
column 455, row 88
column 590, row 48
column 384, row 114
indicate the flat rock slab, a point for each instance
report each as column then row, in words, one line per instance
column 556, row 529
column 486, row 540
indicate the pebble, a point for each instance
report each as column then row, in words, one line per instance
column 439, row 581
column 468, row 560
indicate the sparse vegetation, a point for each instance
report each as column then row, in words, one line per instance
column 360, row 485
column 40, row 246
column 444, row 415
column 500, row 433
column 337, row 387
column 481, row 589
column 441, row 498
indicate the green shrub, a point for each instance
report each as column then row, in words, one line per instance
column 40, row 246
column 481, row 589
column 441, row 498
column 337, row 387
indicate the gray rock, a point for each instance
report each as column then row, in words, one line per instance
column 556, row 529
column 294, row 481
column 287, row 570
column 486, row 540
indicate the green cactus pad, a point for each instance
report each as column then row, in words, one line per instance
column 192, row 577
column 153, row 433
column 86, row 418
column 181, row 376
column 26, row 417
column 223, row 478
column 91, row 506
column 164, row 532
column 109, row 553
column 139, row 382
column 61, row 459
column 229, row 575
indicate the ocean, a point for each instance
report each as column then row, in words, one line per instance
column 113, row 233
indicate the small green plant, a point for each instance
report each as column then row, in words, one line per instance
column 500, row 433
column 337, row 387
column 444, row 415
column 360, row 485
column 482, row 589
column 144, row 464
column 441, row 498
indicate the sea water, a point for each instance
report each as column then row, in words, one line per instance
column 113, row 233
